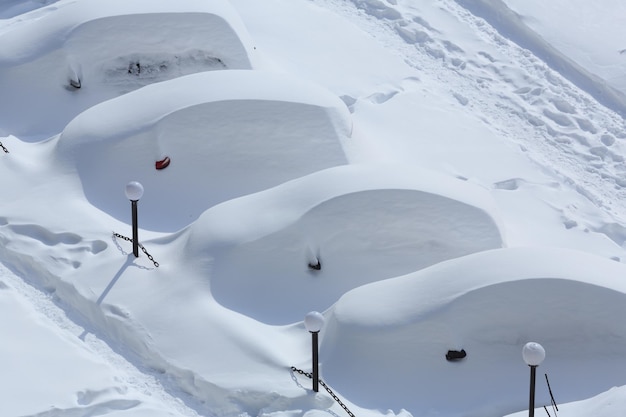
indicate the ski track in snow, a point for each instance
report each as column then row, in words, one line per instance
column 560, row 127
column 129, row 375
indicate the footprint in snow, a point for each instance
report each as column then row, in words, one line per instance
column 63, row 245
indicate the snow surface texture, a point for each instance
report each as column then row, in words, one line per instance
column 283, row 128
column 407, row 169
column 106, row 49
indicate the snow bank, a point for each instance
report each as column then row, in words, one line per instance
column 227, row 134
column 509, row 24
column 489, row 304
column 599, row 48
column 11, row 8
column 608, row 404
column 219, row 321
column 43, row 342
column 103, row 47
column 357, row 224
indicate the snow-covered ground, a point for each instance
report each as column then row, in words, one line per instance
column 430, row 176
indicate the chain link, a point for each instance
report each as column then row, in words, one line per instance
column 4, row 148
column 322, row 383
column 301, row 372
column 156, row 264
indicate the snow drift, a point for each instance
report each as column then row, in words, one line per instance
column 102, row 48
column 227, row 134
column 490, row 304
column 301, row 245
column 271, row 208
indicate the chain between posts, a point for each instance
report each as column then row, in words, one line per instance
column 156, row 264
column 555, row 407
column 322, row 383
column 4, row 148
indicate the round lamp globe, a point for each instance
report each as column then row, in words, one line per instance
column 533, row 353
column 134, row 191
column 313, row 321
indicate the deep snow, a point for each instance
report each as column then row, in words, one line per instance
column 458, row 191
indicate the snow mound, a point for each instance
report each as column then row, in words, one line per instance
column 12, row 8
column 609, row 403
column 489, row 304
column 301, row 245
column 226, row 134
column 73, row 55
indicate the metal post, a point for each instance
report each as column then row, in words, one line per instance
column 533, row 354
column 313, row 322
column 531, row 403
column 133, row 204
column 315, row 361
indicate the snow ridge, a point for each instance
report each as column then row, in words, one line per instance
column 136, row 379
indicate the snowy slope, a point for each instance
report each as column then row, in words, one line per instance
column 456, row 190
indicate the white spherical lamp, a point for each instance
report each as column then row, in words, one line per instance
column 314, row 321
column 533, row 353
column 134, row 191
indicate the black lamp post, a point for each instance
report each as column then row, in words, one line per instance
column 313, row 322
column 134, row 192
column 533, row 354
